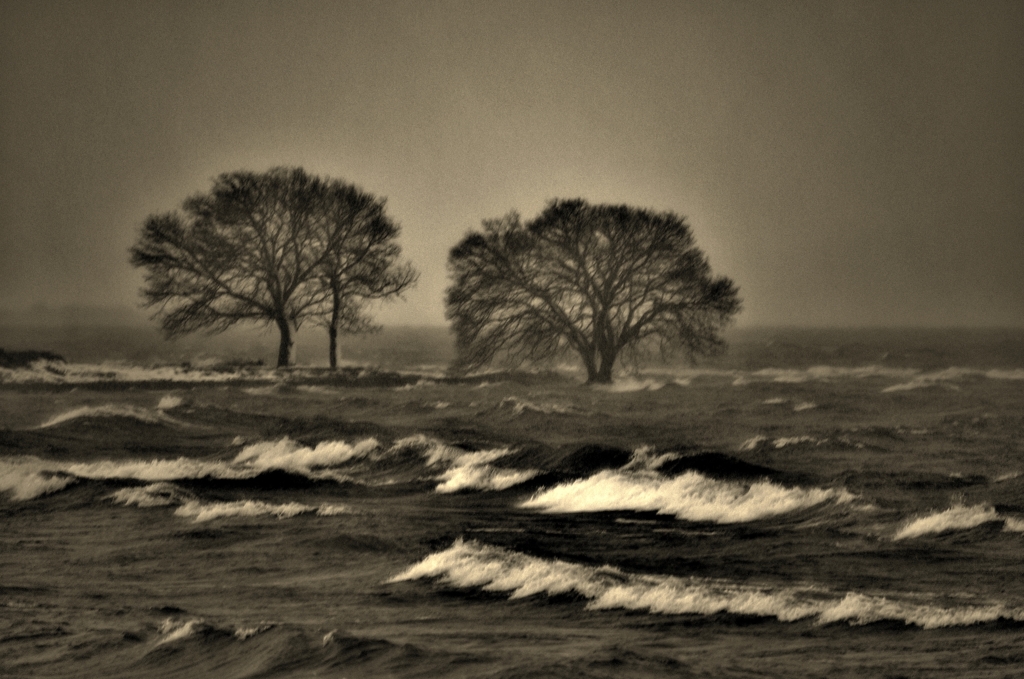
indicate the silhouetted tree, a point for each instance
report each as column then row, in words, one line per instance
column 364, row 268
column 254, row 248
column 594, row 280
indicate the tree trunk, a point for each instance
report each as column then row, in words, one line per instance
column 332, row 329
column 284, row 351
column 604, row 373
column 332, row 334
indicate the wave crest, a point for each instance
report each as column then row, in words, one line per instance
column 469, row 564
column 690, row 496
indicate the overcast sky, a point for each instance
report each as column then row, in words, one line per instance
column 846, row 163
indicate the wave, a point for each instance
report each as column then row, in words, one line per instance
column 415, row 458
column 160, row 494
column 172, row 630
column 29, row 478
column 470, row 564
column 470, row 470
column 945, row 377
column 50, row 372
column 958, row 517
column 167, row 494
column 690, row 496
column 288, row 455
column 519, row 406
column 207, row 511
column 143, row 415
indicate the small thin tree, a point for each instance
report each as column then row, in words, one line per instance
column 251, row 249
column 362, row 267
column 598, row 281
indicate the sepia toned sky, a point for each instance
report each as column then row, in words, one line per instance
column 846, row 163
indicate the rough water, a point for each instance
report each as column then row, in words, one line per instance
column 775, row 516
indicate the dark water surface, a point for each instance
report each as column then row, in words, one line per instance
column 774, row 517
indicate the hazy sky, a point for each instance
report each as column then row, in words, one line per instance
column 844, row 162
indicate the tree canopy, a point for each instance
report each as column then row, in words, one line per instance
column 600, row 281
column 274, row 247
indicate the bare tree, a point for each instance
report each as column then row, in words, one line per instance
column 361, row 267
column 594, row 280
column 252, row 249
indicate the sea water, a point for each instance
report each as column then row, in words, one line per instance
column 760, row 515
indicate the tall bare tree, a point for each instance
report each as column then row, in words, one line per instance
column 594, row 280
column 362, row 267
column 251, row 249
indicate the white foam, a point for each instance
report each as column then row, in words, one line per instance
column 472, row 470
column 630, row 384
column 787, row 441
column 417, row 385
column 690, row 496
column 160, row 470
column 169, row 402
column 520, row 406
column 29, row 478
column 937, row 378
column 469, row 564
column 175, row 630
column 753, row 443
column 332, row 510
column 996, row 374
column 1013, row 525
column 954, row 518
column 51, row 372
column 805, row 405
column 758, row 442
column 482, row 477
column 160, row 494
column 243, row 633
column 202, row 511
column 824, row 373
column 288, row 455
column 112, row 410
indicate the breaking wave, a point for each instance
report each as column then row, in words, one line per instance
column 172, row 630
column 690, row 496
column 207, row 511
column 167, row 494
column 471, row 470
column 949, row 375
column 144, row 415
column 29, row 478
column 288, row 455
column 954, row 518
column 332, row 461
column 469, row 564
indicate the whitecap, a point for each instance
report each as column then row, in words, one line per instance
column 288, row 455
column 472, row 470
column 29, row 478
column 1013, row 525
column 175, row 630
column 160, row 494
column 690, row 496
column 111, row 410
column 203, row 511
column 169, row 402
column 520, row 406
column 629, row 385
column 958, row 517
column 470, row 564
